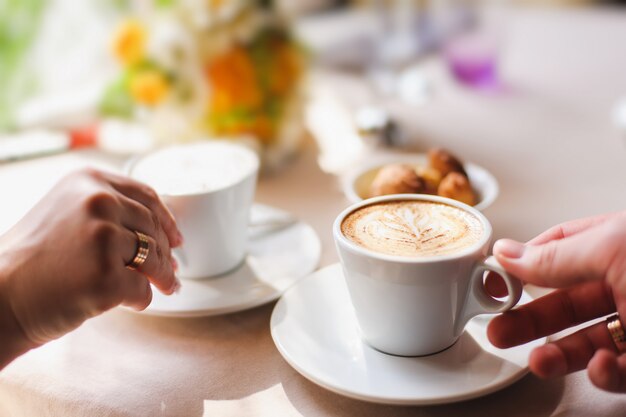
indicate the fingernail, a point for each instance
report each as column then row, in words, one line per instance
column 174, row 263
column 509, row 248
column 180, row 238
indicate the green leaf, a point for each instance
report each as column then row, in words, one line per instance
column 19, row 24
column 164, row 3
column 117, row 101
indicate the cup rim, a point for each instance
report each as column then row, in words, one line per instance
column 340, row 239
column 129, row 166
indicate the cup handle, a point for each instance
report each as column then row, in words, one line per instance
column 478, row 301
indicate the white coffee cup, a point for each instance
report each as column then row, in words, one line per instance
column 209, row 188
column 414, row 306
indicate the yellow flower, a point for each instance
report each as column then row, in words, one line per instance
column 129, row 42
column 148, row 87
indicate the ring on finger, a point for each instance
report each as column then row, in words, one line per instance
column 143, row 248
column 614, row 325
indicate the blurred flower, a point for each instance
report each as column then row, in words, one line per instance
column 251, row 85
column 129, row 42
column 233, row 79
column 289, row 62
column 216, row 68
column 148, row 87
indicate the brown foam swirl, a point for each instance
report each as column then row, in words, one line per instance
column 412, row 228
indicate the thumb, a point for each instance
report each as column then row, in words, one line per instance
column 594, row 254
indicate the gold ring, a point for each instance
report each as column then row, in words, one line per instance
column 617, row 332
column 143, row 247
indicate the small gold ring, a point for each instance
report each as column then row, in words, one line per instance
column 617, row 332
column 143, row 248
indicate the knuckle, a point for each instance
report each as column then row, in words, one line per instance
column 558, row 231
column 159, row 254
column 149, row 192
column 613, row 255
column 547, row 258
column 567, row 307
column 101, row 204
column 155, row 221
column 616, row 273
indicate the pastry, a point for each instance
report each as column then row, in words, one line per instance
column 430, row 177
column 444, row 162
column 457, row 186
column 396, row 179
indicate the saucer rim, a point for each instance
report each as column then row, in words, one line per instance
column 440, row 400
column 385, row 399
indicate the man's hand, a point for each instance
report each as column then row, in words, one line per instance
column 586, row 260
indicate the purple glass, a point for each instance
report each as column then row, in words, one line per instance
column 473, row 60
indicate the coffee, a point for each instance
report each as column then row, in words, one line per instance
column 195, row 168
column 412, row 228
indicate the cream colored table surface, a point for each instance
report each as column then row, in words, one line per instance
column 550, row 143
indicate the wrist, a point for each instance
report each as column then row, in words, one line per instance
column 14, row 341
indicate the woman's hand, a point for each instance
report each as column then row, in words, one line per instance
column 586, row 260
column 65, row 261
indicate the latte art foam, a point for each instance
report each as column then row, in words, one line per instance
column 412, row 228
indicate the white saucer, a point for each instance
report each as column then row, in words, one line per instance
column 356, row 184
column 314, row 328
column 279, row 254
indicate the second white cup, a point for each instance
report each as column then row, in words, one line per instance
column 209, row 188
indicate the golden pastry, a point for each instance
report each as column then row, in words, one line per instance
column 444, row 162
column 396, row 179
column 430, row 177
column 457, row 186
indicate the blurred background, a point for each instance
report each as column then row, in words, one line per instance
column 128, row 76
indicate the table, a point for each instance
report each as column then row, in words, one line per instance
column 550, row 143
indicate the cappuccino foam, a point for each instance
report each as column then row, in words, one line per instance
column 412, row 228
column 195, row 168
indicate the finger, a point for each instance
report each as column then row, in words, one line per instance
column 157, row 267
column 136, row 291
column 607, row 371
column 551, row 313
column 572, row 227
column 585, row 256
column 136, row 216
column 571, row 353
column 495, row 285
column 149, row 198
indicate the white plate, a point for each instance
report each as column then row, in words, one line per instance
column 356, row 184
column 279, row 254
column 314, row 328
